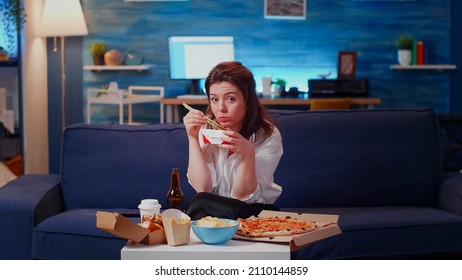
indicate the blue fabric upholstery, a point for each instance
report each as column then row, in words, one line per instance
column 24, row 203
column 450, row 197
column 382, row 232
column 133, row 162
column 73, row 234
column 379, row 170
column 380, row 158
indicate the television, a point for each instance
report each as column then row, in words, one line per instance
column 192, row 57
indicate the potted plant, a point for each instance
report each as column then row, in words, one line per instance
column 280, row 86
column 404, row 44
column 97, row 50
column 13, row 18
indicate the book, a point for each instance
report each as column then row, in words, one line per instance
column 420, row 53
column 414, row 52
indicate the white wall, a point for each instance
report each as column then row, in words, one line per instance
column 34, row 92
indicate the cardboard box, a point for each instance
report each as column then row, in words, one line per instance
column 177, row 227
column 125, row 228
column 301, row 240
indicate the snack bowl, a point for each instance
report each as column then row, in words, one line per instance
column 215, row 235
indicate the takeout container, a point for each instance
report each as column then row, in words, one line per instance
column 125, row 228
column 212, row 136
column 177, row 227
column 301, row 240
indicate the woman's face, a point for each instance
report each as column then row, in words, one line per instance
column 228, row 105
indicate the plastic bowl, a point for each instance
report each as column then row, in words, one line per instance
column 215, row 235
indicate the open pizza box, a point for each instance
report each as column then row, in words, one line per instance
column 125, row 228
column 328, row 227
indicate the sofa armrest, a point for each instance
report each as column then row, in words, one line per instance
column 450, row 194
column 25, row 202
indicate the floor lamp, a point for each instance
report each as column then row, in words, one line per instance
column 61, row 18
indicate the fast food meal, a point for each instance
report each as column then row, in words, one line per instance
column 273, row 226
column 177, row 226
column 213, row 222
column 152, row 223
column 213, row 136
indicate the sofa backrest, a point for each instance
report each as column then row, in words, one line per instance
column 355, row 158
column 111, row 166
column 358, row 158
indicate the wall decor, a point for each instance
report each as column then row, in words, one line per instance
column 346, row 67
column 285, row 9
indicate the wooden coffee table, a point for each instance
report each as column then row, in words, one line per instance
column 197, row 250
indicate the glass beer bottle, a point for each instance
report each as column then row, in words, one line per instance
column 175, row 194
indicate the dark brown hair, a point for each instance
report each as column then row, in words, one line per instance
column 257, row 119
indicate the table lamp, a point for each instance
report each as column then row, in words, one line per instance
column 61, row 18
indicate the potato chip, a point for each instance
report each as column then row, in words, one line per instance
column 213, row 222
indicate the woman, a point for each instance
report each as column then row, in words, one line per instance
column 233, row 179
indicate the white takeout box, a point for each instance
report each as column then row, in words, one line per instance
column 304, row 239
column 212, row 136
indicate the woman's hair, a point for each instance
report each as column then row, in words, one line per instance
column 257, row 119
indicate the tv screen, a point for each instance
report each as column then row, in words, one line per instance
column 192, row 57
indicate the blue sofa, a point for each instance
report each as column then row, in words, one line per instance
column 379, row 170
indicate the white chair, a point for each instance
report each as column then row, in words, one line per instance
column 151, row 97
column 125, row 97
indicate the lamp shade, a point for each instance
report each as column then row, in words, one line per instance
column 63, row 18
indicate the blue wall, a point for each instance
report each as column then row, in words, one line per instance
column 295, row 50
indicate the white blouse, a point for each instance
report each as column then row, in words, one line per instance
column 223, row 168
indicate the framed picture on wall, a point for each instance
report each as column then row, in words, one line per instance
column 346, row 67
column 285, row 9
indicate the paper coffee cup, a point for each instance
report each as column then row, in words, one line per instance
column 149, row 207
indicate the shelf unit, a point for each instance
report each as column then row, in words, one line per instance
column 143, row 67
column 124, row 97
column 9, row 63
column 439, row 67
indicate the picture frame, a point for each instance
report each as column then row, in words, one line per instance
column 285, row 9
column 346, row 66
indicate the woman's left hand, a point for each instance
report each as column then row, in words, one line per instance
column 236, row 143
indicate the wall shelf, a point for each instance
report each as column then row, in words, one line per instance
column 142, row 67
column 9, row 63
column 439, row 67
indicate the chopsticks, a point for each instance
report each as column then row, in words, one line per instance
column 209, row 120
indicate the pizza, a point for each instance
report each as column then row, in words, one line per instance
column 273, row 226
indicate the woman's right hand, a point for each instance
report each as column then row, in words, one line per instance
column 193, row 121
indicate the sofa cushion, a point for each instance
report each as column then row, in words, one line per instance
column 386, row 232
column 111, row 166
column 359, row 158
column 73, row 235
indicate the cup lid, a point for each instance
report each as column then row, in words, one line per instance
column 149, row 203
